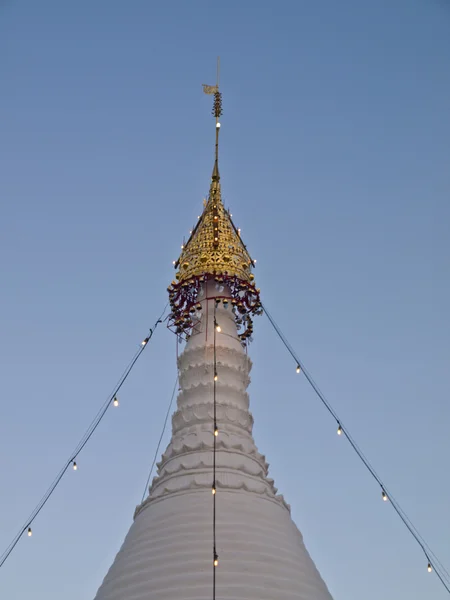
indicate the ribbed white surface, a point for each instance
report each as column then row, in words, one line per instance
column 168, row 552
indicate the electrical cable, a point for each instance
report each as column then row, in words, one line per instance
column 433, row 562
column 160, row 440
column 215, row 434
column 84, row 440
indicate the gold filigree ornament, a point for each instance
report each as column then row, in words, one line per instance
column 215, row 246
column 214, row 251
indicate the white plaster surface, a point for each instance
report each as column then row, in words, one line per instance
column 168, row 552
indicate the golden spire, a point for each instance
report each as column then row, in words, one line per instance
column 215, row 246
column 217, row 112
column 214, row 250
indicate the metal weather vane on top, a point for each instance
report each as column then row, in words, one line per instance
column 215, row 251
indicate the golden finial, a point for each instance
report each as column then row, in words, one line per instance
column 214, row 250
column 217, row 113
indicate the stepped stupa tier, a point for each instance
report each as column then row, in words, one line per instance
column 212, row 496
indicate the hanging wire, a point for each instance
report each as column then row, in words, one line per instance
column 160, row 440
column 84, row 440
column 433, row 562
column 215, row 434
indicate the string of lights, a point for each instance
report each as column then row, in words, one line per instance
column 217, row 329
column 112, row 400
column 160, row 440
column 433, row 563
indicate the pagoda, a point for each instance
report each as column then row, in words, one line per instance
column 213, row 525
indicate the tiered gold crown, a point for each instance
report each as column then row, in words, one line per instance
column 215, row 246
column 214, row 251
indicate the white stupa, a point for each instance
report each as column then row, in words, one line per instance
column 213, row 525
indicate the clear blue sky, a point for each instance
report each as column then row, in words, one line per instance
column 335, row 161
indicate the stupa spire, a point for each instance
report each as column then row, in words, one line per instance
column 214, row 251
column 214, row 190
column 167, row 551
column 217, row 113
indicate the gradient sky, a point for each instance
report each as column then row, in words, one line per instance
column 335, row 156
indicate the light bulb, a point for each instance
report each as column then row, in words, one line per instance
column 115, row 401
column 216, row 377
column 216, row 560
column 174, row 262
column 384, row 496
column 143, row 342
column 30, row 533
column 216, row 432
column 218, row 328
column 75, row 466
column 339, row 431
column 298, row 369
column 213, row 491
column 430, row 568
